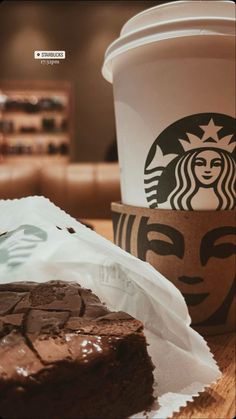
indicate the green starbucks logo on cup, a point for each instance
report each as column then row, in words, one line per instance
column 190, row 166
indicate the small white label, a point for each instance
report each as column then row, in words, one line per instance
column 42, row 55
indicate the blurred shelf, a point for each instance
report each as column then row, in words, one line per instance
column 38, row 160
column 24, row 95
column 37, row 133
column 39, row 113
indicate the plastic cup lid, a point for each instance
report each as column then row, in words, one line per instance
column 171, row 20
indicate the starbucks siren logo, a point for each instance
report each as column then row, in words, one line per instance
column 191, row 164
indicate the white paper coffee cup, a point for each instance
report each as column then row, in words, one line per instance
column 173, row 73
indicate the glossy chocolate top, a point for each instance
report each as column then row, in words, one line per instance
column 43, row 324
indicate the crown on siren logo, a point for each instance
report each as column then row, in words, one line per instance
column 210, row 138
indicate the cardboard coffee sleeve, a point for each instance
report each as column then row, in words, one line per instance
column 193, row 249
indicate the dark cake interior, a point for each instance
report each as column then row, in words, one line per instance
column 64, row 355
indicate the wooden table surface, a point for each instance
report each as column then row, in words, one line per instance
column 218, row 402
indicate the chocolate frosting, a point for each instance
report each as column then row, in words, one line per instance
column 43, row 324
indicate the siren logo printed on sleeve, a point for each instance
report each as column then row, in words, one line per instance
column 190, row 166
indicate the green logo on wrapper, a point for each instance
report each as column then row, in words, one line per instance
column 17, row 245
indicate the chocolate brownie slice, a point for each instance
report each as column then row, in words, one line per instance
column 64, row 355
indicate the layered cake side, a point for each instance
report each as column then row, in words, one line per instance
column 64, row 355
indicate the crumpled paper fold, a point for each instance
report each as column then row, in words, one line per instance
column 38, row 247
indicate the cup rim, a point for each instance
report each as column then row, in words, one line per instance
column 133, row 36
column 205, row 6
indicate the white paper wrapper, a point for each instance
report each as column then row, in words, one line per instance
column 36, row 250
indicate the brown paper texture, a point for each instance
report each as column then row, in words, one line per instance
column 193, row 249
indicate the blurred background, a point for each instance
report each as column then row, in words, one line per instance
column 58, row 118
column 84, row 29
